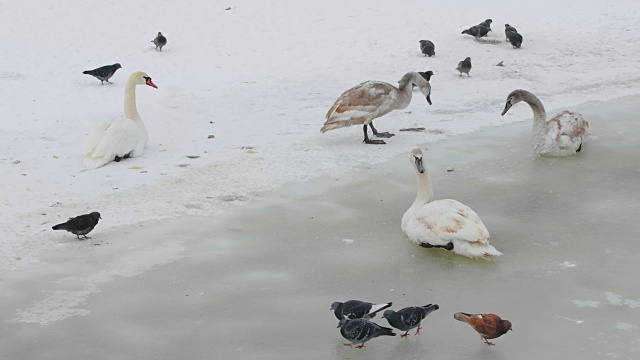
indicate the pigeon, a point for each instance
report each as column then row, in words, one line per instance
column 426, row 74
column 80, row 225
column 356, row 309
column 103, row 73
column 486, row 23
column 477, row 31
column 507, row 29
column 427, row 48
column 489, row 326
column 409, row 317
column 361, row 331
column 464, row 66
column 515, row 39
column 160, row 41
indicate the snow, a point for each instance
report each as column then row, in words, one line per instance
column 262, row 75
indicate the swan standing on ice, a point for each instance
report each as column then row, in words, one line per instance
column 561, row 135
column 446, row 224
column 122, row 137
column 373, row 99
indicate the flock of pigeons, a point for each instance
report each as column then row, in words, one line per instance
column 355, row 326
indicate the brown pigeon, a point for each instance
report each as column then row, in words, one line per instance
column 489, row 326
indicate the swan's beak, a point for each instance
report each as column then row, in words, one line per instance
column 419, row 165
column 429, row 99
column 506, row 107
column 150, row 83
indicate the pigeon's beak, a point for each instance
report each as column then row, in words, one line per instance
column 150, row 83
column 507, row 106
column 429, row 99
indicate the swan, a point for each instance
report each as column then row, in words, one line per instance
column 561, row 135
column 121, row 137
column 447, row 224
column 373, row 99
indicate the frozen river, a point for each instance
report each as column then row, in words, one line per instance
column 257, row 283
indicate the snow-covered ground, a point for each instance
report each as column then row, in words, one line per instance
column 260, row 77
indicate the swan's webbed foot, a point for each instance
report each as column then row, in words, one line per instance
column 117, row 158
column 579, row 148
column 127, row 155
column 369, row 141
column 448, row 247
column 379, row 134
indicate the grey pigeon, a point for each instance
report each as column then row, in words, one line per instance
column 80, row 225
column 427, row 76
column 464, row 66
column 477, row 31
column 361, row 331
column 515, row 39
column 356, row 309
column 159, row 41
column 409, row 317
column 103, row 73
column 486, row 23
column 507, row 29
column 427, row 48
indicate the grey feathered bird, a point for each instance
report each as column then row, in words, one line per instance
column 356, row 309
column 80, row 225
column 427, row 48
column 103, row 73
column 464, row 66
column 507, row 29
column 409, row 317
column 159, row 41
column 515, row 39
column 361, row 331
column 477, row 31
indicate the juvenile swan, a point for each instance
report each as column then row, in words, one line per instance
column 446, row 223
column 561, row 135
column 373, row 99
column 122, row 137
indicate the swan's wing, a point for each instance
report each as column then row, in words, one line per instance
column 96, row 134
column 119, row 138
column 569, row 129
column 451, row 220
column 369, row 99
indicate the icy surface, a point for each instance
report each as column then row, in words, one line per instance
column 260, row 78
column 258, row 282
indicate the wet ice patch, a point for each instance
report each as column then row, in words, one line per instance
column 348, row 241
column 587, row 303
column 570, row 319
column 617, row 299
column 568, row 265
column 625, row 326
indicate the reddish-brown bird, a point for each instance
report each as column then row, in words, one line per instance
column 489, row 326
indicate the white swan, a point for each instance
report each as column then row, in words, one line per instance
column 561, row 135
column 122, row 137
column 446, row 223
column 373, row 99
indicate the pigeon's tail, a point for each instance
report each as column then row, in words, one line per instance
column 88, row 72
column 460, row 316
column 62, row 226
column 383, row 331
column 428, row 309
column 377, row 308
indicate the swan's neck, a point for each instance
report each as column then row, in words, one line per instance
column 539, row 114
column 130, row 108
column 406, row 92
column 425, row 191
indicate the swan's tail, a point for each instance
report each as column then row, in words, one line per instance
column 337, row 124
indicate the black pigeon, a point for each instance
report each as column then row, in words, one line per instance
column 464, row 66
column 507, row 29
column 80, row 225
column 427, row 48
column 426, row 74
column 409, row 317
column 159, row 41
column 515, row 39
column 356, row 309
column 477, row 31
column 361, row 331
column 103, row 73
column 486, row 23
